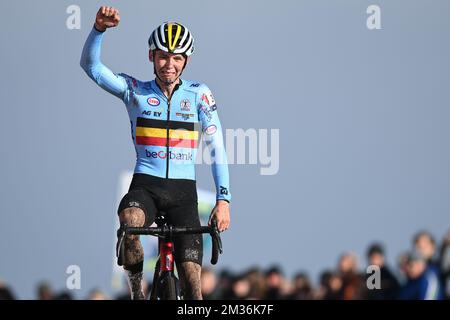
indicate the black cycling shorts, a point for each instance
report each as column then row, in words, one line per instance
column 177, row 198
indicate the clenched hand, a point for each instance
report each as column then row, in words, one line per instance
column 107, row 17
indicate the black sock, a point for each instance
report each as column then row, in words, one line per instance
column 135, row 268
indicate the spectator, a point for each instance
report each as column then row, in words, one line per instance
column 5, row 292
column 423, row 281
column 44, row 291
column 224, row 285
column 63, row 295
column 97, row 294
column 209, row 284
column 389, row 284
column 330, row 287
column 302, row 288
column 352, row 281
column 402, row 263
column 425, row 244
column 258, row 287
column 445, row 265
column 274, row 282
column 240, row 288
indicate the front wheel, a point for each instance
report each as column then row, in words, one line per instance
column 168, row 287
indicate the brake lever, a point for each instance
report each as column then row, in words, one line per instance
column 217, row 237
column 120, row 248
column 216, row 243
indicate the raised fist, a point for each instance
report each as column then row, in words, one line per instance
column 107, row 17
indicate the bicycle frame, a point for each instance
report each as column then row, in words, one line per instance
column 165, row 267
column 164, row 272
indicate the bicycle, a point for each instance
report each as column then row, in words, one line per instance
column 165, row 284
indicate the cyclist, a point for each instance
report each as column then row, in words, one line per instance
column 166, row 115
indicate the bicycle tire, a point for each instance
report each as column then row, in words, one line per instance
column 153, row 293
column 168, row 288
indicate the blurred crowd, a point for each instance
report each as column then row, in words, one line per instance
column 421, row 273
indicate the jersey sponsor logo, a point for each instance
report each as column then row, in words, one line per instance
column 153, row 101
column 172, row 155
column 134, row 204
column 223, row 190
column 211, row 129
column 195, row 85
column 205, row 99
column 186, row 105
column 211, row 99
column 208, row 99
column 185, row 116
column 206, row 111
column 154, row 113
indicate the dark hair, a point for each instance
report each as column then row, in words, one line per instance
column 415, row 256
column 375, row 248
column 274, row 269
column 424, row 233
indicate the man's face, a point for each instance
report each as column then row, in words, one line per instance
column 168, row 66
column 376, row 259
column 425, row 246
column 348, row 263
column 415, row 269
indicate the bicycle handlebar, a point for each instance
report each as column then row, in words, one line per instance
column 170, row 231
column 166, row 230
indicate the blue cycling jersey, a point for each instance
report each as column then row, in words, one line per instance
column 165, row 133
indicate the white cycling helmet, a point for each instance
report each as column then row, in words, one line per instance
column 172, row 37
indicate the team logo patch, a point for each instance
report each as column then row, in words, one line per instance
column 208, row 99
column 205, row 99
column 223, row 190
column 206, row 112
column 153, row 101
column 186, row 105
column 185, row 116
column 211, row 99
column 211, row 129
